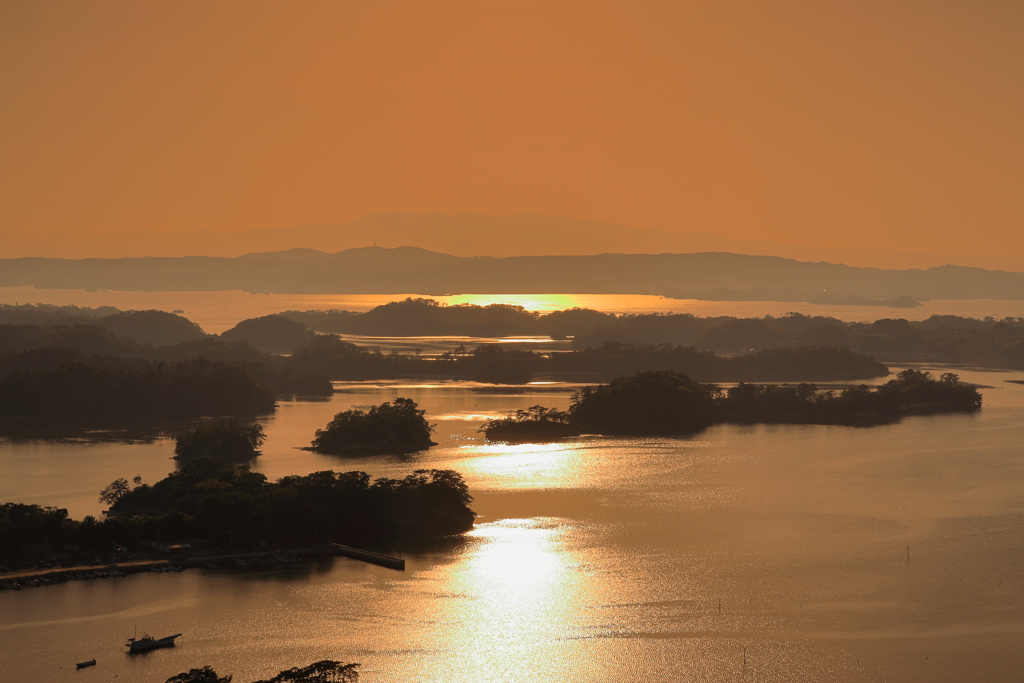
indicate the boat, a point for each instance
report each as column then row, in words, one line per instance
column 148, row 642
column 82, row 665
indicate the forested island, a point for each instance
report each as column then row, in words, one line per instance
column 395, row 427
column 226, row 441
column 670, row 403
column 232, row 506
column 535, row 424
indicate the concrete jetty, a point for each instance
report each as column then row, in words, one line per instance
column 60, row 574
column 370, row 556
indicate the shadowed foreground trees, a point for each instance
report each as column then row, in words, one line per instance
column 234, row 506
column 224, row 503
column 325, row 671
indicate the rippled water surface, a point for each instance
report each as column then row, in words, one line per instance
column 759, row 553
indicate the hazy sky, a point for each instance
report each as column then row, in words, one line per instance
column 835, row 123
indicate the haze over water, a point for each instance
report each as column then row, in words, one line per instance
column 598, row 559
column 219, row 311
column 882, row 135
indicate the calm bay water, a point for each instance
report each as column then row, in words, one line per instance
column 218, row 311
column 760, row 553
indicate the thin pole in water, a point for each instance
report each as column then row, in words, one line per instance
column 908, row 555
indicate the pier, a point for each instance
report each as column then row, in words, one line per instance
column 40, row 577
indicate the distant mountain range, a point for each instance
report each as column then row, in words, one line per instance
column 465, row 234
column 402, row 270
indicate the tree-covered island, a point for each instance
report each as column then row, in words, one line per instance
column 234, row 507
column 670, row 403
column 395, row 428
column 536, row 424
column 222, row 440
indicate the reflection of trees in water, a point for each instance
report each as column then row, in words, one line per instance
column 142, row 432
column 55, row 433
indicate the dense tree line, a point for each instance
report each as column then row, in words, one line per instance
column 80, row 393
column 325, row 671
column 396, row 427
column 941, row 337
column 495, row 363
column 235, row 507
column 223, row 440
column 148, row 327
column 426, row 317
column 536, row 423
column 613, row 359
column 32, row 347
column 130, row 334
column 668, row 403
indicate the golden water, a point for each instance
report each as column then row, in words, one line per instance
column 763, row 553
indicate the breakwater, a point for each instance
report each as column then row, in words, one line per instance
column 277, row 556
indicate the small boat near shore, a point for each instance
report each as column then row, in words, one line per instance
column 148, row 642
column 82, row 665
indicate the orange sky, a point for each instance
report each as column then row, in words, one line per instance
column 850, row 123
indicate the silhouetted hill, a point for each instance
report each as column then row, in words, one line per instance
column 399, row 256
column 464, row 235
column 376, row 270
column 296, row 254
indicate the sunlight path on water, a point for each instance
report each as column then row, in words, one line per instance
column 754, row 553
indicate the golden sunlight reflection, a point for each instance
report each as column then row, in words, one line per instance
column 466, row 417
column 531, row 302
column 523, row 590
column 530, row 465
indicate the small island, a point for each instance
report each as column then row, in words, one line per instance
column 392, row 428
column 223, row 440
column 669, row 403
column 536, row 424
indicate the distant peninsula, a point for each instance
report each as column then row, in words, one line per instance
column 401, row 270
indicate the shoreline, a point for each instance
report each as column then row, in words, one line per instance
column 62, row 574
